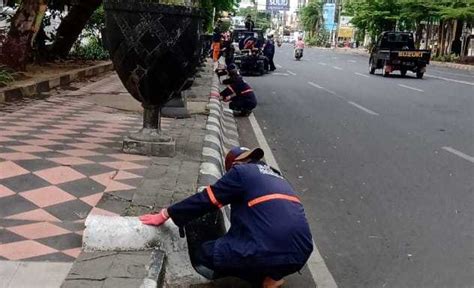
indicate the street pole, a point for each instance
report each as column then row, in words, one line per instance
column 336, row 33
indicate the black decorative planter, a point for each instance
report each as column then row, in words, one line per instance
column 155, row 49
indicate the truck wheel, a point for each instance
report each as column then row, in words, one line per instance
column 419, row 75
column 384, row 71
column 371, row 66
column 403, row 72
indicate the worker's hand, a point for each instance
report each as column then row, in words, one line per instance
column 155, row 219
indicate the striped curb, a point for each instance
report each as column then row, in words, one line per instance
column 221, row 136
column 13, row 93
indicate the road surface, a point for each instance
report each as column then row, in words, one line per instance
column 385, row 166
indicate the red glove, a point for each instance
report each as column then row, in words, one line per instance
column 155, row 219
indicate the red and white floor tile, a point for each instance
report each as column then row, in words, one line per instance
column 57, row 159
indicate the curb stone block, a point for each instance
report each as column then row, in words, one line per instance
column 41, row 86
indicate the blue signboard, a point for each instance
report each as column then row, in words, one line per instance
column 278, row 5
column 329, row 12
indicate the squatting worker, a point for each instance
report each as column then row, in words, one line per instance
column 238, row 93
column 269, row 237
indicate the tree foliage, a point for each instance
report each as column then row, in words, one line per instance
column 311, row 16
column 263, row 19
column 219, row 5
column 375, row 16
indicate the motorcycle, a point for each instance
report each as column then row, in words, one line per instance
column 298, row 53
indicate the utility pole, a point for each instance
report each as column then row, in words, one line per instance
column 336, row 33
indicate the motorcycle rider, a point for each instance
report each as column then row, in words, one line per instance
column 299, row 44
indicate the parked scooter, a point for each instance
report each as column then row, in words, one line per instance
column 298, row 53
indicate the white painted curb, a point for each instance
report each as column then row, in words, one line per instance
column 115, row 233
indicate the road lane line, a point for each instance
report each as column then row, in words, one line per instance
column 316, row 265
column 450, row 80
column 337, row 68
column 322, row 63
column 292, row 73
column 280, row 74
column 363, row 108
column 353, row 61
column 322, row 88
column 363, row 75
column 315, row 85
column 278, row 66
column 459, row 154
column 411, row 88
column 451, row 73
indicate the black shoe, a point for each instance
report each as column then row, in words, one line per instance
column 244, row 113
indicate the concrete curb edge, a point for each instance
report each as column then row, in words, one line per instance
column 8, row 94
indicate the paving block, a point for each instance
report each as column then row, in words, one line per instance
column 92, row 266
column 163, row 149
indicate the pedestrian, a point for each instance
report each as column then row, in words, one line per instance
column 216, row 44
column 249, row 24
column 269, row 237
column 239, row 94
column 269, row 52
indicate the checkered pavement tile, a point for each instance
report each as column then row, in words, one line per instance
column 58, row 162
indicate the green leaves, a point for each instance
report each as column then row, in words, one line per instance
column 263, row 20
column 375, row 16
column 311, row 15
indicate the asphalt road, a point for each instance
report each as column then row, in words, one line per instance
column 385, row 166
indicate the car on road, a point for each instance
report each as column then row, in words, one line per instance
column 396, row 51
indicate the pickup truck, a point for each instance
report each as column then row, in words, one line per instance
column 396, row 51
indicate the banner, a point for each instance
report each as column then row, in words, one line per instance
column 329, row 12
column 345, row 32
column 278, row 5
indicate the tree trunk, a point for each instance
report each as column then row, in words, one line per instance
column 25, row 24
column 441, row 35
column 72, row 25
column 418, row 34
column 452, row 33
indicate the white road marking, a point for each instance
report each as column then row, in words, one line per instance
column 451, row 73
column 322, row 88
column 411, row 88
column 450, row 80
column 280, row 74
column 316, row 265
column 322, row 63
column 337, row 68
column 315, row 85
column 292, row 73
column 353, row 61
column 363, row 108
column 459, row 153
column 363, row 75
column 278, row 66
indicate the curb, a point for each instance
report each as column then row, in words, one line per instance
column 221, row 136
column 8, row 94
column 453, row 65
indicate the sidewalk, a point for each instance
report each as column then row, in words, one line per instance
column 60, row 161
